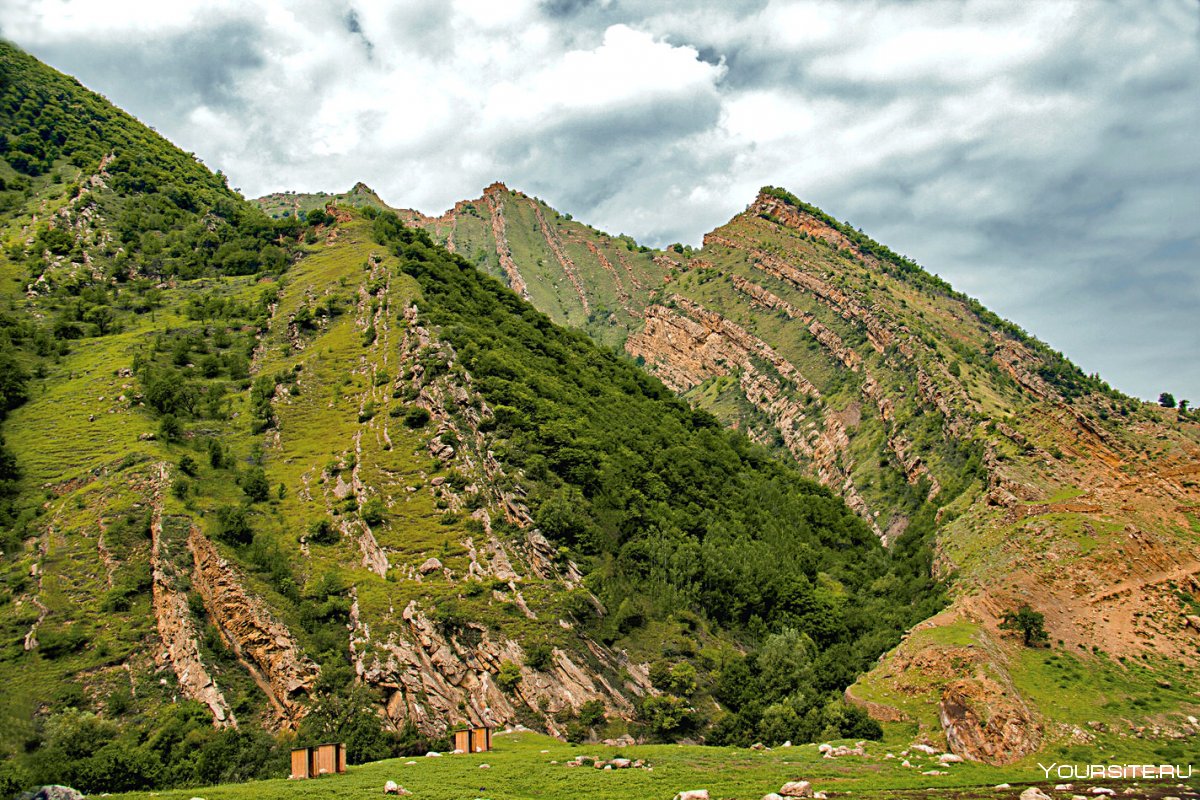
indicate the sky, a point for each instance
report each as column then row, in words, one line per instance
column 1042, row 156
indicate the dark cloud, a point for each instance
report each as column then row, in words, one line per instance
column 354, row 26
column 159, row 80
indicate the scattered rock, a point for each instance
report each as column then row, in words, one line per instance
column 621, row 763
column 485, row 766
column 1102, row 790
column 950, row 758
column 905, row 763
column 788, row 743
column 693, row 794
column 391, row 787
column 433, row 754
column 430, row 565
column 1063, row 787
column 1002, row 786
column 924, row 748
column 825, row 748
column 758, row 746
column 772, row 796
column 934, row 772
column 796, row 789
column 1034, row 793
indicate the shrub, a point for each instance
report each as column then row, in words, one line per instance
column 508, row 678
column 373, row 511
column 323, row 531
column 233, row 525
column 416, row 417
column 254, row 484
column 539, row 656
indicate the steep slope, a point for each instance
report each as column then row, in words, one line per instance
column 571, row 272
column 938, row 423
column 322, row 477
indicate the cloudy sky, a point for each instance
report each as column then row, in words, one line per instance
column 1043, row 156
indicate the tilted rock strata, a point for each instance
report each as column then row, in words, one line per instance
column 252, row 631
column 174, row 621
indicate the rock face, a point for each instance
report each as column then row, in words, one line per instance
column 985, row 722
column 263, row 644
column 436, row 677
column 173, row 617
column 686, row 350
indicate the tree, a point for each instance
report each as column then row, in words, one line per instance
column 1183, row 406
column 1030, row 624
column 1166, row 400
column 254, row 484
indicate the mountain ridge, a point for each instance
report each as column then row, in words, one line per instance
column 327, row 477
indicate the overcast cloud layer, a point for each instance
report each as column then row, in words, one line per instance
column 1043, row 156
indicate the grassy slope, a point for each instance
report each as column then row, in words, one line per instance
column 522, row 766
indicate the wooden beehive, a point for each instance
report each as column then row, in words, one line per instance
column 323, row 759
column 480, row 740
column 300, row 763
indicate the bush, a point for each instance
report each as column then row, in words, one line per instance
column 508, row 678
column 233, row 525
column 254, row 484
column 373, row 511
column 169, row 428
column 416, row 417
column 539, row 656
column 323, row 531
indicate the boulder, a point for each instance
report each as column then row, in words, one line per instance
column 758, row 746
column 693, row 794
column 772, row 796
column 485, row 766
column 430, row 565
column 1002, row 786
column 924, row 748
column 796, row 789
column 950, row 758
column 621, row 763
column 825, row 748
column 52, row 792
column 1034, row 793
column 391, row 787
column 433, row 754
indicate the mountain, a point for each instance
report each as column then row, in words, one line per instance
column 269, row 480
column 947, row 429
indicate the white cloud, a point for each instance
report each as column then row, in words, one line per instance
column 1040, row 155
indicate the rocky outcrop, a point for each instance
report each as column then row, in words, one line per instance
column 686, row 350
column 564, row 260
column 622, row 296
column 456, row 412
column 173, row 617
column 984, row 721
column 263, row 644
column 436, row 678
column 494, row 195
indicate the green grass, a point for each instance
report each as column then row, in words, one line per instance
column 521, row 767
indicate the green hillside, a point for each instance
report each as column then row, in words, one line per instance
column 952, row 433
column 270, row 480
